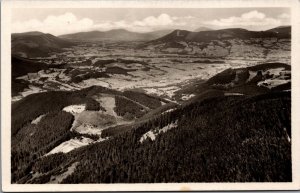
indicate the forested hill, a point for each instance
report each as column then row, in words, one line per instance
column 219, row 139
column 36, row 44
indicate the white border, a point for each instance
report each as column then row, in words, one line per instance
column 6, row 9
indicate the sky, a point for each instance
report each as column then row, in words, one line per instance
column 65, row 21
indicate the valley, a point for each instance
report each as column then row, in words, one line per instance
column 100, row 111
column 124, row 66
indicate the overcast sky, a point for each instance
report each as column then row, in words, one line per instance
column 64, row 21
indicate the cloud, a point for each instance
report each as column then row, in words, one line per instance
column 253, row 19
column 69, row 23
column 56, row 25
column 284, row 16
column 161, row 20
column 189, row 17
column 147, row 24
column 253, row 15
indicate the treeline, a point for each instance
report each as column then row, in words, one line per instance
column 222, row 139
column 146, row 100
column 128, row 109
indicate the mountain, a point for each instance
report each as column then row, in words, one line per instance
column 232, row 42
column 36, row 44
column 202, row 29
column 223, row 34
column 115, row 35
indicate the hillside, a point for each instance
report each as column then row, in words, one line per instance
column 259, row 79
column 233, row 42
column 36, row 44
column 115, row 35
column 116, row 137
column 195, row 134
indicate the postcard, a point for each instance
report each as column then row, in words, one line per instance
column 150, row 95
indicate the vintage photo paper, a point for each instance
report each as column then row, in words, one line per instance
column 150, row 95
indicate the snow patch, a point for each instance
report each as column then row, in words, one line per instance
column 168, row 91
column 109, row 104
column 276, row 71
column 271, row 83
column 252, row 74
column 27, row 91
column 89, row 129
column 70, row 145
column 153, row 133
column 168, row 111
column 233, row 94
column 38, row 119
column 94, row 82
column 287, row 135
column 187, row 96
column 74, row 109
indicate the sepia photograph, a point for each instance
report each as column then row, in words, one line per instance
column 148, row 93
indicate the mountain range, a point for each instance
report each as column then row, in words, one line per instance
column 37, row 44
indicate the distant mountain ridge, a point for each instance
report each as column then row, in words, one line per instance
column 115, row 35
column 232, row 42
column 36, row 44
column 204, row 36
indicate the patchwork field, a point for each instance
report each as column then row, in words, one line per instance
column 121, row 68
